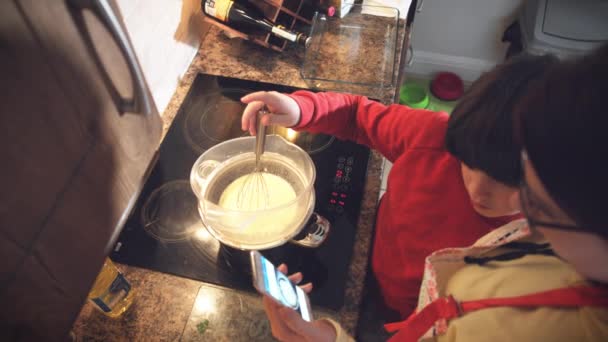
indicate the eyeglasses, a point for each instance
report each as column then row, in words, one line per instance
column 527, row 205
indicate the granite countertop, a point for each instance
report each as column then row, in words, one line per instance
column 168, row 307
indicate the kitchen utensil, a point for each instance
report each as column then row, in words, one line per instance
column 447, row 86
column 414, row 95
column 293, row 174
column 253, row 194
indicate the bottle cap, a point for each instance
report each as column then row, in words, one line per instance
column 303, row 39
column 331, row 10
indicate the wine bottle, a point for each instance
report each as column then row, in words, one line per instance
column 245, row 17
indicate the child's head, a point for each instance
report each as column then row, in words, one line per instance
column 480, row 133
column 562, row 126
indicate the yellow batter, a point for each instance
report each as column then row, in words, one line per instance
column 253, row 195
column 278, row 192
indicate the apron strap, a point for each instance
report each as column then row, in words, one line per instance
column 448, row 308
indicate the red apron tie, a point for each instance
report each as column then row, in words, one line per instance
column 420, row 322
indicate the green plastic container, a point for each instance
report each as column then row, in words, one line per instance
column 414, row 95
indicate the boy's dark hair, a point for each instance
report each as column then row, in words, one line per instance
column 480, row 131
column 562, row 124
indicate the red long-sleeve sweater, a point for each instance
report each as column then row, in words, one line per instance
column 426, row 206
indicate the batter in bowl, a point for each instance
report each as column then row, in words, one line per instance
column 278, row 192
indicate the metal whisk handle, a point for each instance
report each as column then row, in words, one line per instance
column 260, row 138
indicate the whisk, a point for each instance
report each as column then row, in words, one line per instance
column 253, row 193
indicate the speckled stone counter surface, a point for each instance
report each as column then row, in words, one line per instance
column 167, row 307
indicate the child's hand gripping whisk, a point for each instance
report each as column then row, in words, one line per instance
column 253, row 194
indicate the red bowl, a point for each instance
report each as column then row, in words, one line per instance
column 447, row 86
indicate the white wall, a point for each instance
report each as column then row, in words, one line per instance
column 166, row 35
column 461, row 36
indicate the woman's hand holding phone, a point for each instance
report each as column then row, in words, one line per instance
column 288, row 325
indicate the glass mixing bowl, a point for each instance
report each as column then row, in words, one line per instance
column 218, row 167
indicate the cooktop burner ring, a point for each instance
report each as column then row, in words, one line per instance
column 170, row 213
column 312, row 143
column 216, row 117
column 220, row 119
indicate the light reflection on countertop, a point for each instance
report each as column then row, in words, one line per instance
column 221, row 314
column 204, row 304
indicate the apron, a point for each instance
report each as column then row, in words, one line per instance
column 434, row 310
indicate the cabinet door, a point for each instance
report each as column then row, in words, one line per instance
column 73, row 165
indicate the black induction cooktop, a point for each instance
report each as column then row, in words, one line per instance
column 165, row 233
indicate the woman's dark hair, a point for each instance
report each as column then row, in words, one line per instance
column 480, row 131
column 563, row 125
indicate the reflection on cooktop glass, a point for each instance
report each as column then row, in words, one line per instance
column 165, row 232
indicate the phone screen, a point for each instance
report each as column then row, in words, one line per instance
column 277, row 285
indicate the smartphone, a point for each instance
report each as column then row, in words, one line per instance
column 269, row 281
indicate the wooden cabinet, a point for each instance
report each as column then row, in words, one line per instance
column 78, row 133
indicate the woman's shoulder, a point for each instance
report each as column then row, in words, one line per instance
column 526, row 275
column 541, row 324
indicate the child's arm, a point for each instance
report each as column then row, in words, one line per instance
column 389, row 129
